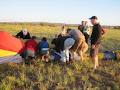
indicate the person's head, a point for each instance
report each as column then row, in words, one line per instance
column 33, row 37
column 25, row 31
column 68, row 30
column 94, row 20
column 44, row 39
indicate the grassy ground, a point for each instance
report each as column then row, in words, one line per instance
column 57, row 76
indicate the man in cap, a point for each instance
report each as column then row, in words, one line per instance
column 95, row 40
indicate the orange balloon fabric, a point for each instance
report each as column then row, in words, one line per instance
column 10, row 43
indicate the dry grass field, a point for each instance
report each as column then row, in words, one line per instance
column 57, row 76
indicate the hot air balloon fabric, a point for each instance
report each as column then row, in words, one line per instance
column 9, row 47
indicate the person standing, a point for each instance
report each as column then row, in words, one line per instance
column 95, row 40
column 85, row 29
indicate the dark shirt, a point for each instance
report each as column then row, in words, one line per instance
column 21, row 35
column 59, row 43
column 96, row 34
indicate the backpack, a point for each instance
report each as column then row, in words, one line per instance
column 109, row 55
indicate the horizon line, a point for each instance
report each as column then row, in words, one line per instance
column 47, row 23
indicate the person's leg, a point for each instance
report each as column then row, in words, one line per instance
column 79, row 50
column 77, row 45
column 32, row 54
column 26, row 54
column 82, row 50
column 42, row 54
column 95, row 61
column 80, row 53
column 46, row 58
column 42, row 57
column 72, row 54
column 63, row 56
column 67, row 54
column 68, row 43
column 94, row 55
column 85, row 48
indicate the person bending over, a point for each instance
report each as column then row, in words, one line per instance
column 80, row 47
column 62, row 46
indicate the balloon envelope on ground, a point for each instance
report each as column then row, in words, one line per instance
column 9, row 46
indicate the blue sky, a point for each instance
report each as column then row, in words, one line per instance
column 61, row 11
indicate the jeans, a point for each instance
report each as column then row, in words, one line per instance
column 65, row 55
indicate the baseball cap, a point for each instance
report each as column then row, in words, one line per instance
column 93, row 17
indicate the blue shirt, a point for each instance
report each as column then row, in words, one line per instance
column 43, row 44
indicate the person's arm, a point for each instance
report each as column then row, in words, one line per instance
column 18, row 34
column 103, row 31
column 28, row 35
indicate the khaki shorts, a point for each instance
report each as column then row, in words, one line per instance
column 95, row 51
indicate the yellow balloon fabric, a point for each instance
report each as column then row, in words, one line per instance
column 5, row 53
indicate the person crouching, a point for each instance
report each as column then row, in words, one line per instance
column 43, row 49
column 30, row 49
column 63, row 45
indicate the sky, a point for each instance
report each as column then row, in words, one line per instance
column 60, row 11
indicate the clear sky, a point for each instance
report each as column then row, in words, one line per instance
column 61, row 11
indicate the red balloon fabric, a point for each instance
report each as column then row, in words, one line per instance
column 10, row 43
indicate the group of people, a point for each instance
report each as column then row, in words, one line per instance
column 68, row 43
column 32, row 47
